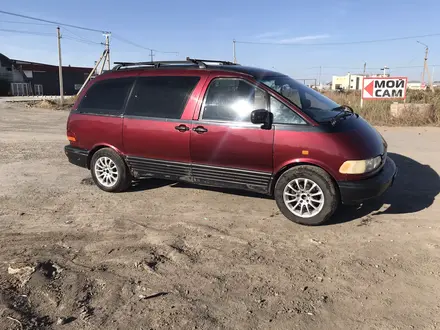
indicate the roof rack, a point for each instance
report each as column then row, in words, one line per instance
column 156, row 64
column 203, row 62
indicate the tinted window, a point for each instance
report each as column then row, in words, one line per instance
column 106, row 96
column 232, row 100
column 283, row 114
column 161, row 97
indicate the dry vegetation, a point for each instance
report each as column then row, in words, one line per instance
column 378, row 112
column 52, row 104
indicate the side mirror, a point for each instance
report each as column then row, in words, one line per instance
column 262, row 116
column 306, row 104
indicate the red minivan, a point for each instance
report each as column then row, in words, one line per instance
column 220, row 124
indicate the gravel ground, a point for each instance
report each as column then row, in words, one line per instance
column 172, row 256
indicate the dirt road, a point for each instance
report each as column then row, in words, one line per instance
column 173, row 256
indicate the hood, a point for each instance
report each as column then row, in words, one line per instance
column 358, row 139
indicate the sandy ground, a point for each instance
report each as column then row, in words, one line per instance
column 173, row 256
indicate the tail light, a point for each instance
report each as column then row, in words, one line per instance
column 71, row 136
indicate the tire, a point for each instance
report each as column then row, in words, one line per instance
column 107, row 161
column 324, row 196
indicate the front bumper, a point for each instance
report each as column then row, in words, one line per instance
column 356, row 192
column 77, row 156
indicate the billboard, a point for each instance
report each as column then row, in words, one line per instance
column 379, row 88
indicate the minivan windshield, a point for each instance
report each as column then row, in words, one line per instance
column 313, row 103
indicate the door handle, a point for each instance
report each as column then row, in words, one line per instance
column 200, row 130
column 182, row 128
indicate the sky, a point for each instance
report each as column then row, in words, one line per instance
column 206, row 29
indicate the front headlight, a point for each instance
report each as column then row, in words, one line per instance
column 360, row 166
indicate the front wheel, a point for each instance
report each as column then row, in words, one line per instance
column 306, row 195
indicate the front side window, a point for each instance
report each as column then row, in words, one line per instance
column 106, row 97
column 230, row 99
column 161, row 97
column 311, row 102
column 283, row 114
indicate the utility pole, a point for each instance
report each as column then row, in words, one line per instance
column 151, row 55
column 60, row 67
column 234, row 54
column 365, row 68
column 107, row 47
column 425, row 66
column 319, row 77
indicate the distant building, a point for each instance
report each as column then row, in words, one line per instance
column 18, row 77
column 415, row 84
column 348, row 82
column 352, row 81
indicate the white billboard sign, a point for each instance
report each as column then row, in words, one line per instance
column 378, row 88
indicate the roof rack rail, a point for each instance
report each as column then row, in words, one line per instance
column 201, row 61
column 156, row 64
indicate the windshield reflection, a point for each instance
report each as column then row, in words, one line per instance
column 313, row 103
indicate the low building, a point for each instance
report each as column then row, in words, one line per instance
column 8, row 75
column 348, row 82
column 415, row 84
column 31, row 78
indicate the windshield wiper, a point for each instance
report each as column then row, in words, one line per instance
column 345, row 112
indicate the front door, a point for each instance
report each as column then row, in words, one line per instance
column 156, row 133
column 227, row 150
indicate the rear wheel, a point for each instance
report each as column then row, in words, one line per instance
column 109, row 171
column 306, row 195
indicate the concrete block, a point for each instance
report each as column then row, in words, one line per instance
column 423, row 110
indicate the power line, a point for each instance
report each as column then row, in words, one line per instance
column 29, row 32
column 20, row 22
column 88, row 42
column 48, row 34
column 338, row 43
column 120, row 38
column 86, row 29
column 80, row 38
column 369, row 68
column 339, row 68
column 51, row 22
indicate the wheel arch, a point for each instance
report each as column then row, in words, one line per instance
column 293, row 164
column 99, row 147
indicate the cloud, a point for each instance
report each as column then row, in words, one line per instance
column 270, row 34
column 281, row 37
column 295, row 40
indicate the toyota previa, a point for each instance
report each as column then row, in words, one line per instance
column 216, row 123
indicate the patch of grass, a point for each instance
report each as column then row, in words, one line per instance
column 378, row 112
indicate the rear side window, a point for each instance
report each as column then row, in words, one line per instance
column 106, row 97
column 161, row 97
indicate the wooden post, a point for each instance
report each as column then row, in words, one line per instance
column 93, row 71
column 60, row 67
